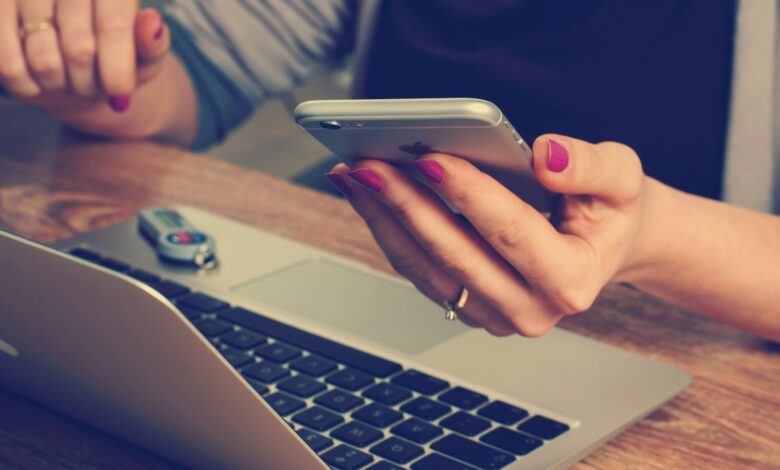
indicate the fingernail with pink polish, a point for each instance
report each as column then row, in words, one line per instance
column 557, row 157
column 431, row 169
column 337, row 180
column 368, row 178
column 119, row 103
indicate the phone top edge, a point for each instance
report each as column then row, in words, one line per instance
column 406, row 109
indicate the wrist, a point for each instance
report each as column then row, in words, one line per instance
column 178, row 123
column 649, row 255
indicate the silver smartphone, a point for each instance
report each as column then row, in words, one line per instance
column 401, row 130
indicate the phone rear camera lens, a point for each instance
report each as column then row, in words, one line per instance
column 332, row 125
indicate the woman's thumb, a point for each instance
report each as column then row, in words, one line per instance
column 608, row 170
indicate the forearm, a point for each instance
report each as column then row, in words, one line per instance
column 164, row 108
column 712, row 258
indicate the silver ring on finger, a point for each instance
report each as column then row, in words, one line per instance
column 452, row 309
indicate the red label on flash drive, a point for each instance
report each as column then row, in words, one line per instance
column 186, row 238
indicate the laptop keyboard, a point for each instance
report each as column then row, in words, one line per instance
column 354, row 409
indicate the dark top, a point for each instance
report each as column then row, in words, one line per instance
column 653, row 74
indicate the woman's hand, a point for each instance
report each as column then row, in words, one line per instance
column 66, row 55
column 524, row 272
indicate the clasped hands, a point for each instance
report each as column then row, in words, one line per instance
column 69, row 54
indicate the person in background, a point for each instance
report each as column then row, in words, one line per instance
column 660, row 77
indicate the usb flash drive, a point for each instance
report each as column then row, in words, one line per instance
column 175, row 239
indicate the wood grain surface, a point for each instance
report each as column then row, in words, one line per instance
column 54, row 184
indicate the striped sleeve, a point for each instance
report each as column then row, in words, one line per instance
column 241, row 52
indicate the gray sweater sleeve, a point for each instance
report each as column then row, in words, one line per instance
column 240, row 52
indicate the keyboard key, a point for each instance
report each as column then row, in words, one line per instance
column 350, row 379
column 86, row 255
column 439, row 462
column 313, row 365
column 302, row 386
column 426, row 409
column 202, row 302
column 360, row 360
column 318, row 418
column 397, row 450
column 265, row 372
column 211, row 327
column 503, row 413
column 278, row 352
column 383, row 465
column 190, row 314
column 417, row 431
column 377, row 415
column 284, row 404
column 243, row 339
column 387, row 393
column 357, row 434
column 463, row 398
column 472, row 452
column 144, row 276
column 114, row 265
column 315, row 441
column 465, row 423
column 420, row 383
column 511, row 441
column 346, row 458
column 259, row 388
column 545, row 428
column 339, row 400
column 169, row 289
column 235, row 357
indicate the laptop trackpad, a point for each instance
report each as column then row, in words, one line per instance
column 357, row 302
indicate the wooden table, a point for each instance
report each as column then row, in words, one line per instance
column 54, row 184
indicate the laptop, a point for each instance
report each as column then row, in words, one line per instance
column 287, row 356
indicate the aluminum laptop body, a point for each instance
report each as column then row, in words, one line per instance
column 113, row 352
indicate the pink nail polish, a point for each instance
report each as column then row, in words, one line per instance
column 367, row 178
column 337, row 180
column 557, row 157
column 119, row 103
column 159, row 34
column 431, row 169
